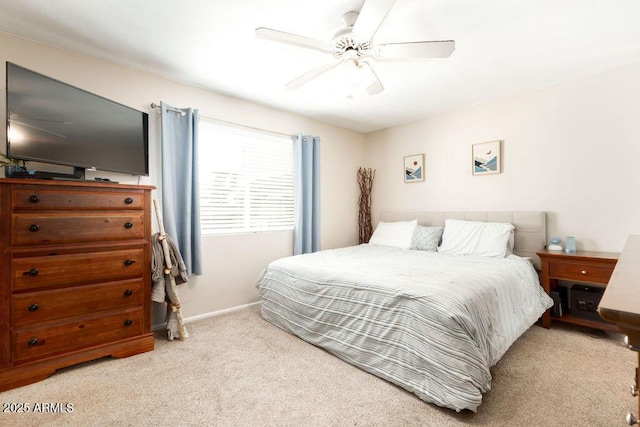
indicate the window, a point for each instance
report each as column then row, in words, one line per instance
column 246, row 179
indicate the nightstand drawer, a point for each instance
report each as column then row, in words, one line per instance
column 580, row 272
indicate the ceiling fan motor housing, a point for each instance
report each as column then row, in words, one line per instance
column 349, row 46
column 346, row 44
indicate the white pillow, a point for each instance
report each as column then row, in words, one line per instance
column 395, row 234
column 475, row 238
column 511, row 243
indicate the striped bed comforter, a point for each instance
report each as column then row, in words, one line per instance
column 431, row 323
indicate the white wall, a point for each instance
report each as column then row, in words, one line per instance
column 231, row 263
column 571, row 149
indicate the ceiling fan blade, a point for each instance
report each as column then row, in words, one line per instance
column 371, row 17
column 375, row 86
column 310, row 75
column 413, row 50
column 294, row 39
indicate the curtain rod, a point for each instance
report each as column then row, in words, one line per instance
column 238, row 125
column 182, row 113
column 154, row 105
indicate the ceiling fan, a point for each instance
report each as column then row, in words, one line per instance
column 353, row 46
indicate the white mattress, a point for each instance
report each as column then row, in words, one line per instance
column 429, row 322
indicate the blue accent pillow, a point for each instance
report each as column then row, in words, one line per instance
column 426, row 238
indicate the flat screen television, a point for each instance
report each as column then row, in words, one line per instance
column 53, row 122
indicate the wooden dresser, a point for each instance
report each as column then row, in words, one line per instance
column 620, row 304
column 74, row 276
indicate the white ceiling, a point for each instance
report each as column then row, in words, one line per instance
column 502, row 47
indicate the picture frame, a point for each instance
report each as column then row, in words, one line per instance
column 414, row 168
column 486, row 158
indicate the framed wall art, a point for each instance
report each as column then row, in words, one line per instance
column 414, row 168
column 486, row 158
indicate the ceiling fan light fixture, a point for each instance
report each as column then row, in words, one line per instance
column 358, row 79
column 352, row 67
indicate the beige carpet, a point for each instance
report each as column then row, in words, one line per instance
column 236, row 369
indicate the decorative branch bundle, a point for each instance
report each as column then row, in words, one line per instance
column 365, row 181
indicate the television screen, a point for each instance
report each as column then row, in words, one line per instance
column 52, row 122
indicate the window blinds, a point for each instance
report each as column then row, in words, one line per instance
column 246, row 180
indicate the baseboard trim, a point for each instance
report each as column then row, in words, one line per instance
column 207, row 315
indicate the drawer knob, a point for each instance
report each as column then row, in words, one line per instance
column 584, row 272
column 129, row 262
column 33, row 307
column 34, row 199
column 128, row 201
column 128, row 225
column 34, row 227
column 631, row 419
column 33, row 342
column 128, row 322
column 31, row 273
column 128, row 293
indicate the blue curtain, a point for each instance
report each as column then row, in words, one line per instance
column 306, row 232
column 180, row 183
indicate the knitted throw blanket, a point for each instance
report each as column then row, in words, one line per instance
column 178, row 269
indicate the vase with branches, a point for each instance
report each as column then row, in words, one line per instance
column 365, row 181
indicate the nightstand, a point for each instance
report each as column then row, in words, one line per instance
column 583, row 267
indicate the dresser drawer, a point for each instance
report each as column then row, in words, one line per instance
column 35, row 343
column 41, row 199
column 43, row 306
column 580, row 272
column 39, row 272
column 36, row 229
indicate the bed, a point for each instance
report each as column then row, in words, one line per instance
column 431, row 322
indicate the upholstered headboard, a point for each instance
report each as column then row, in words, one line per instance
column 530, row 234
